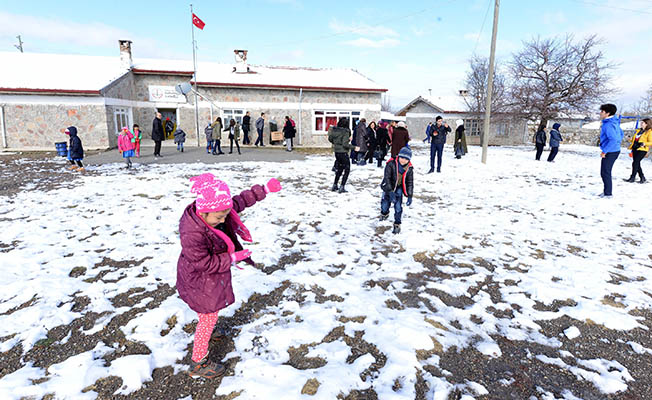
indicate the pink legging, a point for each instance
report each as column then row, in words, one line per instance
column 203, row 334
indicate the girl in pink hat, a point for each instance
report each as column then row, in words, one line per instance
column 209, row 230
column 126, row 145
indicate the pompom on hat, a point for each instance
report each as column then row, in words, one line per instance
column 213, row 195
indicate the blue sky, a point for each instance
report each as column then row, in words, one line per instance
column 408, row 47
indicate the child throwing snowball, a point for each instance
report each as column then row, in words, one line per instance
column 208, row 229
column 126, row 145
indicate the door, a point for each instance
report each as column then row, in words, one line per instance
column 171, row 114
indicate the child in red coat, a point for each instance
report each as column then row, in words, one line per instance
column 209, row 248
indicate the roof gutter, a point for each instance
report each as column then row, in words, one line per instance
column 309, row 88
column 160, row 72
column 50, row 91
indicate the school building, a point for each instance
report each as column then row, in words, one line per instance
column 42, row 94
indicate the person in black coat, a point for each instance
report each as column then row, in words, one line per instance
column 382, row 141
column 371, row 142
column 540, row 143
column 398, row 181
column 157, row 134
column 246, row 121
column 75, row 150
column 439, row 133
column 288, row 132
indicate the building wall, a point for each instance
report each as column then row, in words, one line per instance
column 39, row 126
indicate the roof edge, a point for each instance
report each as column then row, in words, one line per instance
column 50, row 91
column 159, row 72
column 270, row 86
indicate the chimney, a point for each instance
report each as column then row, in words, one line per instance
column 241, row 65
column 125, row 54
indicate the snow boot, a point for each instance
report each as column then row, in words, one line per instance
column 342, row 190
column 631, row 179
column 383, row 217
column 334, row 188
column 205, row 369
column 397, row 229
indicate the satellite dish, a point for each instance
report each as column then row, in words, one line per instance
column 183, row 88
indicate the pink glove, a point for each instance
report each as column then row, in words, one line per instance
column 240, row 255
column 273, row 186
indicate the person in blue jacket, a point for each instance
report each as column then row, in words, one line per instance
column 611, row 136
column 555, row 138
column 75, row 150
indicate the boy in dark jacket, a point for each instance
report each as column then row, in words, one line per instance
column 340, row 136
column 179, row 139
column 75, row 150
column 398, row 181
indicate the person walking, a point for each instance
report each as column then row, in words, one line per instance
column 459, row 147
column 382, row 141
column 428, row 132
column 75, row 149
column 340, row 137
column 439, row 133
column 288, row 132
column 260, row 126
column 234, row 135
column 398, row 181
column 400, row 138
column 246, row 121
column 371, row 142
column 126, row 145
column 611, row 136
column 540, row 143
column 555, row 138
column 179, row 139
column 208, row 131
column 217, row 136
column 138, row 137
column 170, row 127
column 361, row 141
column 157, row 134
column 641, row 142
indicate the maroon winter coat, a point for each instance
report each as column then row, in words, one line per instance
column 204, row 266
column 400, row 138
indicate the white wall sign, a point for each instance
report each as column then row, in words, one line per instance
column 165, row 94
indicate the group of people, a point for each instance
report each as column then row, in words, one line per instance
column 437, row 134
column 555, row 140
column 129, row 143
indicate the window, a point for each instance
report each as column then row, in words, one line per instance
column 325, row 119
column 121, row 118
column 502, row 129
column 228, row 115
column 473, row 127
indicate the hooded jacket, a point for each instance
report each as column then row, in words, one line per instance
column 204, row 265
column 340, row 139
column 611, row 135
column 125, row 141
column 76, row 149
column 390, row 178
column 555, row 138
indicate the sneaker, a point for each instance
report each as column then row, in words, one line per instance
column 72, row 167
column 643, row 180
column 431, row 171
column 397, row 229
column 81, row 169
column 205, row 369
column 608, row 196
column 383, row 217
column 630, row 180
column 334, row 188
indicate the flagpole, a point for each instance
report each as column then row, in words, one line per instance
column 194, row 66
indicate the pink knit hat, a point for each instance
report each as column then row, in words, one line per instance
column 212, row 194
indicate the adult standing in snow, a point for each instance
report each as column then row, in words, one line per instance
column 234, row 135
column 157, row 134
column 260, row 126
column 459, row 147
column 641, row 142
column 371, row 142
column 611, row 135
column 400, row 138
column 208, row 229
column 555, row 138
column 288, row 132
column 361, row 141
column 439, row 133
column 382, row 141
column 340, row 137
column 217, row 136
column 246, row 121
column 540, row 142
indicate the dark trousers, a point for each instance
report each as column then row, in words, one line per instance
column 236, row 145
column 606, row 165
column 389, row 198
column 539, row 151
column 342, row 167
column 637, row 157
column 260, row 138
column 216, row 146
column 245, row 139
column 436, row 149
column 553, row 153
column 157, row 147
column 79, row 163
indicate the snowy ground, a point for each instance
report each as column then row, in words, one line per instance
column 510, row 280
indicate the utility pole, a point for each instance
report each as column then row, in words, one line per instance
column 194, row 67
column 19, row 46
column 490, row 86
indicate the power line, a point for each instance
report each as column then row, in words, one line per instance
column 477, row 41
column 613, row 7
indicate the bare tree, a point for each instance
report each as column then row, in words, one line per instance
column 385, row 103
column 553, row 77
column 644, row 106
column 476, row 86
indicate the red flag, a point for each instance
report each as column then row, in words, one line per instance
column 198, row 22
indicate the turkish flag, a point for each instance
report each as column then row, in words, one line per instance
column 198, row 22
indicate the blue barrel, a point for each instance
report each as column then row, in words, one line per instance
column 62, row 149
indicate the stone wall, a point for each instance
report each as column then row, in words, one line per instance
column 122, row 88
column 39, row 126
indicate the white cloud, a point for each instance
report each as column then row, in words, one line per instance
column 374, row 44
column 362, row 29
column 552, row 18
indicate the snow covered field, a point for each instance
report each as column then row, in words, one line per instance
column 511, row 280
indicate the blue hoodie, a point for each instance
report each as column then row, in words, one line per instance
column 611, row 135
